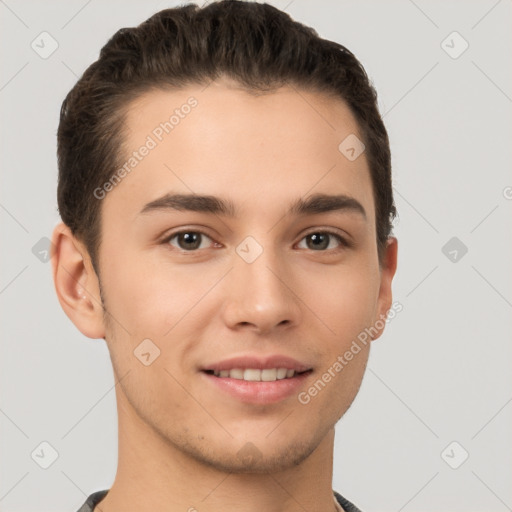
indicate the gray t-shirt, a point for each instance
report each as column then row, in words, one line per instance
column 96, row 497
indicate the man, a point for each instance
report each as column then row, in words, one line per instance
column 225, row 191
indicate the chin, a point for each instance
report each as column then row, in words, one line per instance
column 258, row 457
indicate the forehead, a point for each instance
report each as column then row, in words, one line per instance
column 258, row 148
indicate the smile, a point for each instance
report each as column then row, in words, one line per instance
column 255, row 374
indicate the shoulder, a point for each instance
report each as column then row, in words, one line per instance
column 347, row 505
column 92, row 501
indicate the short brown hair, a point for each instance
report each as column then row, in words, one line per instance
column 256, row 44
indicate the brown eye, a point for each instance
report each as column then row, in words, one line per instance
column 321, row 240
column 187, row 240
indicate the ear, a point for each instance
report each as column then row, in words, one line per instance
column 387, row 273
column 76, row 283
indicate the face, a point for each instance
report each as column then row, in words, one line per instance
column 261, row 281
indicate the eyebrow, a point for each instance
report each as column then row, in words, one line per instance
column 314, row 204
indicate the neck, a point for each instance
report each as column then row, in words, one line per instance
column 154, row 474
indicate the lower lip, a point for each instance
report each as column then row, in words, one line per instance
column 258, row 392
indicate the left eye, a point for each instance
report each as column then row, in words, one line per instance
column 319, row 240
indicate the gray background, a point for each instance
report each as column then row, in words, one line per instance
column 441, row 371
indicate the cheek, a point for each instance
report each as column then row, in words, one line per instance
column 149, row 300
column 346, row 303
column 149, row 297
column 345, row 299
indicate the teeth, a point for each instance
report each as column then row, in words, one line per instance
column 237, row 373
column 281, row 373
column 256, row 375
column 269, row 374
column 252, row 374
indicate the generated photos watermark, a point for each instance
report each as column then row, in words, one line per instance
column 156, row 136
column 366, row 335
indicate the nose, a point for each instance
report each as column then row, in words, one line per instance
column 260, row 295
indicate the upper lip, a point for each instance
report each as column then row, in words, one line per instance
column 259, row 362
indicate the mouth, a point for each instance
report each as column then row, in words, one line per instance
column 257, row 378
column 258, row 375
column 257, row 386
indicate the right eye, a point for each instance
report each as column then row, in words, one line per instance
column 187, row 240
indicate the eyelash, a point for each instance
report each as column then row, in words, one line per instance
column 344, row 244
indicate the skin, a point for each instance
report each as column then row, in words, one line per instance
column 179, row 437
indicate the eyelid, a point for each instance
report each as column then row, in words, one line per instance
column 171, row 235
column 329, row 231
column 344, row 241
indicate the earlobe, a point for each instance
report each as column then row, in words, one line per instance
column 76, row 283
